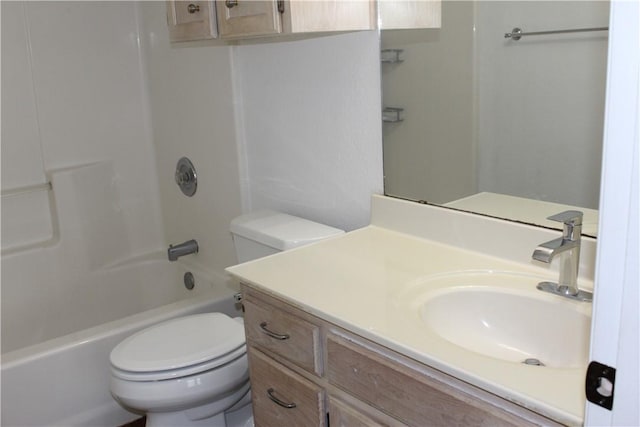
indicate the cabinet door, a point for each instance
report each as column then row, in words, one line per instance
column 280, row 397
column 407, row 14
column 408, row 393
column 246, row 18
column 307, row 16
column 191, row 20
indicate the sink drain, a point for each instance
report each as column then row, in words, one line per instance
column 533, row 362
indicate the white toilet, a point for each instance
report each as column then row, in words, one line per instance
column 193, row 370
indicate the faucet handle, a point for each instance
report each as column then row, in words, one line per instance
column 568, row 217
column 572, row 221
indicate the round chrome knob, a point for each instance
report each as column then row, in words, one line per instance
column 186, row 177
column 193, row 8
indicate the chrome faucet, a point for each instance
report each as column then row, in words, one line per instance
column 186, row 248
column 569, row 246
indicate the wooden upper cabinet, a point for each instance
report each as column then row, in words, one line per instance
column 250, row 18
column 191, row 20
column 236, row 19
column 240, row 18
column 409, row 14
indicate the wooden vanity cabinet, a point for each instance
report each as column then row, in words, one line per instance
column 251, row 18
column 306, row 371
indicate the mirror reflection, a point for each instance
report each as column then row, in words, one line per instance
column 504, row 127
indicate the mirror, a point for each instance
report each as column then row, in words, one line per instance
column 498, row 126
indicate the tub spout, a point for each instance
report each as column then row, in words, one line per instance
column 186, row 248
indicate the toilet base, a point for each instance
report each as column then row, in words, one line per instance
column 173, row 419
column 238, row 414
column 243, row 417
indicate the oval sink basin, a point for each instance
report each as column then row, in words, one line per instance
column 503, row 315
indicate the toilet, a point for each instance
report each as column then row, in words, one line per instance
column 193, row 370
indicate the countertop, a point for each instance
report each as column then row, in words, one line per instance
column 354, row 281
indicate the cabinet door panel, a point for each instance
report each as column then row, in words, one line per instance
column 194, row 20
column 328, row 15
column 274, row 387
column 246, row 18
column 406, row 393
column 407, row 14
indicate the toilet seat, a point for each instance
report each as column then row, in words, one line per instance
column 179, row 347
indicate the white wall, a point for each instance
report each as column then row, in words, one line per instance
column 311, row 118
column 192, row 105
column 74, row 114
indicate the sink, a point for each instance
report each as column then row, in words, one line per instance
column 503, row 316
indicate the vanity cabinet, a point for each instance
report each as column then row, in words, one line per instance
column 250, row 18
column 307, row 371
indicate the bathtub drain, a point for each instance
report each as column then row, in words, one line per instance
column 189, row 280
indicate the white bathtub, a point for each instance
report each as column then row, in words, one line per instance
column 64, row 381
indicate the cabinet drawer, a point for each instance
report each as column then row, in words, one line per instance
column 280, row 397
column 406, row 393
column 284, row 334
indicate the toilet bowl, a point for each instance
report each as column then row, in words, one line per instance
column 193, row 370
column 187, row 371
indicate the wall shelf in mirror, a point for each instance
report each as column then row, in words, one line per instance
column 392, row 115
column 391, row 56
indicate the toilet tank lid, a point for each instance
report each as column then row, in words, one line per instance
column 280, row 231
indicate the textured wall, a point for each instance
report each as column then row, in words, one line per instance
column 311, row 118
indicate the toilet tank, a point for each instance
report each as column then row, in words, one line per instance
column 263, row 233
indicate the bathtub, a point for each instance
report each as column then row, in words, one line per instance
column 64, row 380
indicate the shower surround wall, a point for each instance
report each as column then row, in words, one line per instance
column 193, row 108
column 74, row 114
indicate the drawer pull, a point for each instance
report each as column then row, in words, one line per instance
column 278, row 401
column 272, row 334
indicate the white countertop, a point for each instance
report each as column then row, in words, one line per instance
column 354, row 281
